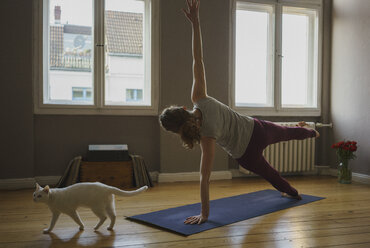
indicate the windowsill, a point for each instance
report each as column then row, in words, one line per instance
column 88, row 110
column 283, row 112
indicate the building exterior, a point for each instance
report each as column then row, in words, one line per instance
column 71, row 59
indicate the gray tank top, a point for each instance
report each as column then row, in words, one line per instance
column 231, row 130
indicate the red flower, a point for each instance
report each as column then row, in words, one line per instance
column 345, row 145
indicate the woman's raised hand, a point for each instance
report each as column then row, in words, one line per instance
column 192, row 13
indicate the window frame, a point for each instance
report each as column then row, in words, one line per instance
column 277, row 109
column 98, row 107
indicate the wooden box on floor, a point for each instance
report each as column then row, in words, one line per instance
column 118, row 174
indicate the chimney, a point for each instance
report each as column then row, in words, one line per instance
column 57, row 13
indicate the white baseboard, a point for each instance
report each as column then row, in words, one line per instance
column 192, row 176
column 356, row 177
column 17, row 183
column 27, row 183
column 361, row 178
column 154, row 175
column 239, row 173
column 319, row 170
column 48, row 180
column 325, row 171
column 330, row 172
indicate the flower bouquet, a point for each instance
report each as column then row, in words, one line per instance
column 345, row 151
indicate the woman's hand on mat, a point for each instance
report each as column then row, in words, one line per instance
column 198, row 219
column 192, row 13
column 297, row 197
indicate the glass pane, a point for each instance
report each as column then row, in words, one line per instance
column 81, row 94
column 88, row 93
column 299, row 60
column 125, row 53
column 70, row 51
column 77, row 94
column 253, row 56
column 134, row 95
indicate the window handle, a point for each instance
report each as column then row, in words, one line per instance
column 100, row 45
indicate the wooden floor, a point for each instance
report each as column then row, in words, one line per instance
column 341, row 220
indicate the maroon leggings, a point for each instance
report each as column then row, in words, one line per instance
column 264, row 134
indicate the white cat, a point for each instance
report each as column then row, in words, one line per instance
column 97, row 196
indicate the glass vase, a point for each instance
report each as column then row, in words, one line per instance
column 344, row 172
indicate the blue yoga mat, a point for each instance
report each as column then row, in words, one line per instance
column 223, row 211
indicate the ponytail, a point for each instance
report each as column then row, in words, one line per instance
column 190, row 134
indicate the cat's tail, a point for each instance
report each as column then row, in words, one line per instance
column 120, row 192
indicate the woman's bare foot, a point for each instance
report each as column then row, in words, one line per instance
column 302, row 124
column 297, row 197
column 305, row 125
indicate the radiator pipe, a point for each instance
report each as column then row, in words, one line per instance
column 324, row 125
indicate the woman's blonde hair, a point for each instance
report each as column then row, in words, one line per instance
column 178, row 120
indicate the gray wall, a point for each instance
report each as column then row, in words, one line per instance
column 176, row 77
column 16, row 125
column 60, row 138
column 42, row 145
column 324, row 151
column 176, row 73
column 350, row 78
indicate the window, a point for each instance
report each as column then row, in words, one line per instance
column 92, row 53
column 276, row 57
column 81, row 94
column 134, row 95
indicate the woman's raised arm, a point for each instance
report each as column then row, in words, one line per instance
column 199, row 88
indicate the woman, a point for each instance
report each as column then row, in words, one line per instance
column 211, row 122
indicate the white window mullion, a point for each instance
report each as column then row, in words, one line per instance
column 147, row 53
column 45, row 43
column 278, row 56
column 272, row 56
column 311, row 59
column 99, row 53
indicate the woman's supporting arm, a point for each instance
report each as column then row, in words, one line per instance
column 199, row 88
column 208, row 152
column 206, row 164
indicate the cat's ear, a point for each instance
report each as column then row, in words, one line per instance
column 46, row 189
column 37, row 186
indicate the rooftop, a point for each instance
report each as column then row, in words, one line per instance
column 124, row 37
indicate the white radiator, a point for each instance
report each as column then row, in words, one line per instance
column 290, row 156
